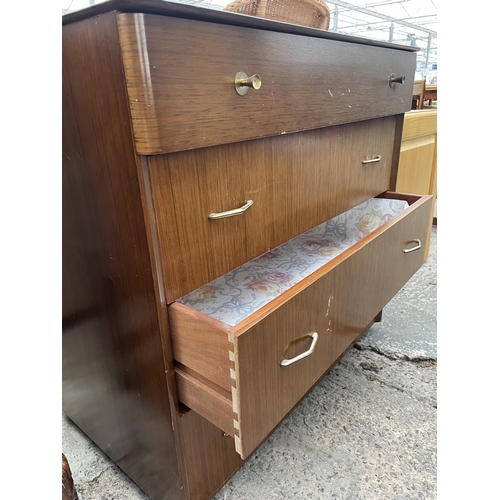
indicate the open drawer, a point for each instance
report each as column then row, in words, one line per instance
column 246, row 370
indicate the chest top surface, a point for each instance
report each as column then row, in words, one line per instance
column 161, row 7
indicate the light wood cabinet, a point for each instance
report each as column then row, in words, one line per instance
column 156, row 140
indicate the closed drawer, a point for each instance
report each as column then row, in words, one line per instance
column 180, row 76
column 234, row 375
column 295, row 182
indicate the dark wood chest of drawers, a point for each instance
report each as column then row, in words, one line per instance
column 172, row 179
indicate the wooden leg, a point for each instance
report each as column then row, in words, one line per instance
column 378, row 318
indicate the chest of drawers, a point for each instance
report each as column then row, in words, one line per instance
column 172, row 180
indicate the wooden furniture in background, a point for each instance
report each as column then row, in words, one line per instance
column 418, row 94
column 178, row 401
column 312, row 13
column 417, row 171
column 430, row 94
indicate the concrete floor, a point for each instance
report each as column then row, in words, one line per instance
column 366, row 432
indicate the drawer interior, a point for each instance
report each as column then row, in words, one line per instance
column 232, row 374
column 242, row 292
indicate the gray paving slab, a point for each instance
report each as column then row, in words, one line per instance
column 366, row 432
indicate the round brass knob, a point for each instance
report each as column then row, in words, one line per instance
column 242, row 82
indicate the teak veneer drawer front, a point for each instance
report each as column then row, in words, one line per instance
column 295, row 182
column 233, row 375
column 180, row 76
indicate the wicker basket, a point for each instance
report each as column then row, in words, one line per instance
column 312, row 13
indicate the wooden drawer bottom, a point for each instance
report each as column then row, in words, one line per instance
column 238, row 377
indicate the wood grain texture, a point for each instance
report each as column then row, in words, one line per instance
column 191, row 329
column 209, row 454
column 296, row 182
column 180, row 78
column 209, row 457
column 396, row 151
column 126, row 219
column 337, row 302
column 114, row 385
column 417, row 171
column 159, row 284
column 338, row 306
column 420, row 123
column 199, row 394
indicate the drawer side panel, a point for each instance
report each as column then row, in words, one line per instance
column 206, row 399
column 202, row 344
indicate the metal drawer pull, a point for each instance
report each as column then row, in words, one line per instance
column 242, row 82
column 372, row 160
column 230, row 213
column 393, row 80
column 287, row 362
column 419, row 245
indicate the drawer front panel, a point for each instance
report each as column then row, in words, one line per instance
column 180, row 76
column 295, row 183
column 338, row 304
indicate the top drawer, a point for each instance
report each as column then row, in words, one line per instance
column 180, row 75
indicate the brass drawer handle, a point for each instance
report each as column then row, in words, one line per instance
column 230, row 213
column 287, row 362
column 419, row 245
column 372, row 160
column 242, row 82
column 393, row 80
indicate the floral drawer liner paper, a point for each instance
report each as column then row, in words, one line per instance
column 239, row 293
